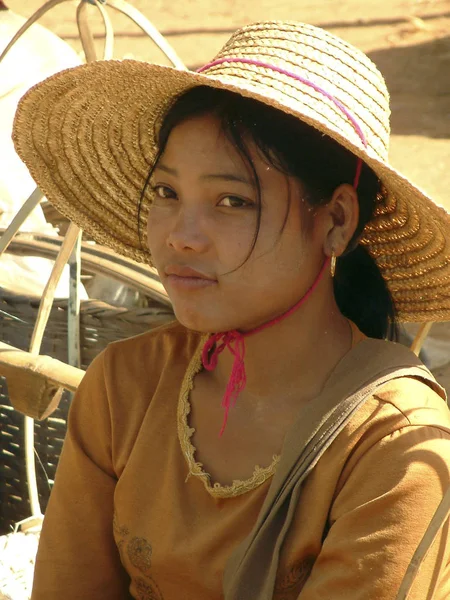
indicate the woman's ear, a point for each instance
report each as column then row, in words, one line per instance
column 343, row 217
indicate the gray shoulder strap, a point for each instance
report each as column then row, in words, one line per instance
column 252, row 568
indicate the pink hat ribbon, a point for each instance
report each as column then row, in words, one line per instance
column 235, row 340
column 338, row 103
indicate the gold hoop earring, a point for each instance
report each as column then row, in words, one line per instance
column 333, row 263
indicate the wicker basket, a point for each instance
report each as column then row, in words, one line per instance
column 100, row 323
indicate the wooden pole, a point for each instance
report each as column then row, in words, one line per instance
column 35, row 346
column 424, row 330
column 14, row 360
column 148, row 28
column 49, row 291
column 26, row 208
column 29, row 22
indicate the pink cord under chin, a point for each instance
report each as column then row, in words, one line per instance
column 235, row 342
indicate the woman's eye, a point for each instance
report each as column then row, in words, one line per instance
column 234, row 202
column 162, row 191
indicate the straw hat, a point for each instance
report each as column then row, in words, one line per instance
column 87, row 137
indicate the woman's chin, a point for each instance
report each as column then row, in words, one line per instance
column 210, row 318
column 203, row 322
column 191, row 319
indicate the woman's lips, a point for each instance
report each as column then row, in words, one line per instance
column 189, row 283
column 185, row 277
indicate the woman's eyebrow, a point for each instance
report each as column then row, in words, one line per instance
column 163, row 167
column 226, row 177
column 208, row 176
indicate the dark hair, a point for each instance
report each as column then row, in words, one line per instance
column 321, row 165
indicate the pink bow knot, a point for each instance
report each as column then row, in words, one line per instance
column 234, row 341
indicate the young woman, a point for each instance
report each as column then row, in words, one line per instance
column 260, row 189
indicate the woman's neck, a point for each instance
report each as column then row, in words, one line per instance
column 300, row 350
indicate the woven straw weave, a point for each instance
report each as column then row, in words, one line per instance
column 87, row 136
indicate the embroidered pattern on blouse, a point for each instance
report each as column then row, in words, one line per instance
column 185, row 433
column 289, row 585
column 147, row 589
column 139, row 553
column 119, row 530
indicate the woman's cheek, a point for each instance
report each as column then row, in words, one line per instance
column 156, row 235
column 159, row 221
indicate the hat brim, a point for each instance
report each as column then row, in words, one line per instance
column 87, row 135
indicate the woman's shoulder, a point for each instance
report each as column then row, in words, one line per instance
column 418, row 402
column 142, row 359
column 404, row 406
column 171, row 339
column 129, row 371
column 411, row 397
column 405, row 419
column 405, row 401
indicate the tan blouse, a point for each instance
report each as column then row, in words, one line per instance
column 132, row 515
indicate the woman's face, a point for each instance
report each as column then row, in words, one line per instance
column 202, row 225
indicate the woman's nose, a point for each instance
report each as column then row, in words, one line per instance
column 188, row 233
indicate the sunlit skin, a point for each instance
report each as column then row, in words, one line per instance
column 204, row 216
